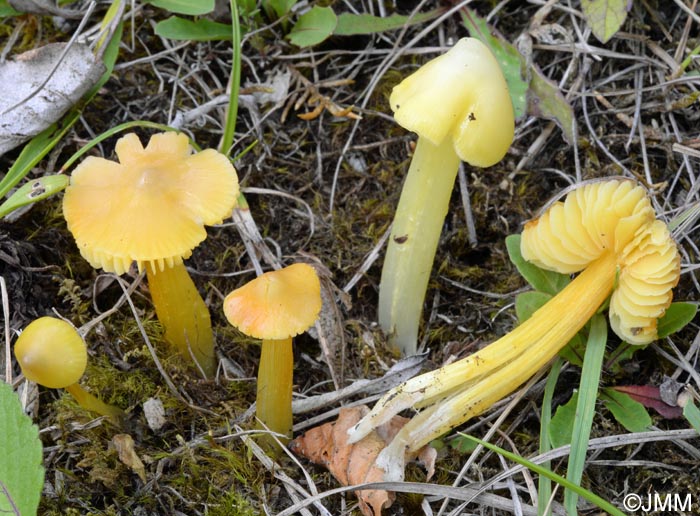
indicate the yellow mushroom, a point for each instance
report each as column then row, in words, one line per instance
column 52, row 353
column 275, row 307
column 606, row 230
column 459, row 106
column 151, row 208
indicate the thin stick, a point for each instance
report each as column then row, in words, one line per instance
column 467, row 205
column 6, row 317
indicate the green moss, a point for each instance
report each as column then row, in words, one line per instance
column 233, row 504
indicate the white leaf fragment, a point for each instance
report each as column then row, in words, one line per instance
column 37, row 92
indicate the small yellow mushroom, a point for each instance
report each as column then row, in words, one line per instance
column 275, row 307
column 606, row 230
column 151, row 208
column 459, row 106
column 52, row 353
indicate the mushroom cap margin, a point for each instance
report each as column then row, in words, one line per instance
column 276, row 305
column 151, row 206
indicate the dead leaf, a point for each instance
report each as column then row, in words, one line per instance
column 44, row 7
column 650, row 397
column 352, row 464
column 124, row 444
column 39, row 86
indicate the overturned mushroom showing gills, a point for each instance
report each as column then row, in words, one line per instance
column 606, row 230
column 459, row 105
column 151, row 208
column 52, row 353
column 275, row 307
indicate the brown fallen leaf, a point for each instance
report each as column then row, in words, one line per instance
column 352, row 464
column 124, row 444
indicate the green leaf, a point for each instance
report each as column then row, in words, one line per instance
column 463, row 445
column 676, row 317
column 6, row 10
column 621, row 354
column 583, row 493
column 528, row 303
column 188, row 7
column 575, row 350
column 278, row 8
column 511, row 61
column 352, row 24
column 605, row 16
column 195, row 30
column 629, row 413
column 21, row 470
column 312, row 27
column 545, row 281
column 692, row 414
column 562, row 423
column 34, row 191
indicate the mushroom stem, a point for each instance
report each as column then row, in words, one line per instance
column 421, row 212
column 274, row 394
column 183, row 314
column 93, row 404
column 469, row 386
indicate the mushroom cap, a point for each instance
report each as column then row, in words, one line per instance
column 593, row 219
column 611, row 216
column 276, row 305
column 463, row 95
column 649, row 268
column 151, row 206
column 51, row 353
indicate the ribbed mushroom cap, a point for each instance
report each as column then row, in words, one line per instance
column 593, row 219
column 649, row 268
column 152, row 206
column 611, row 216
column 462, row 95
column 276, row 305
column 50, row 352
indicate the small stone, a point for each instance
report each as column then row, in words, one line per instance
column 155, row 413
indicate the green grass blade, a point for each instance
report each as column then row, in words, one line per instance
column 692, row 414
column 544, row 488
column 34, row 191
column 585, row 408
column 540, row 470
column 30, row 155
column 234, row 84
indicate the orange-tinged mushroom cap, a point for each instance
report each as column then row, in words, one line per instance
column 276, row 305
column 152, row 206
column 611, row 216
column 51, row 353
